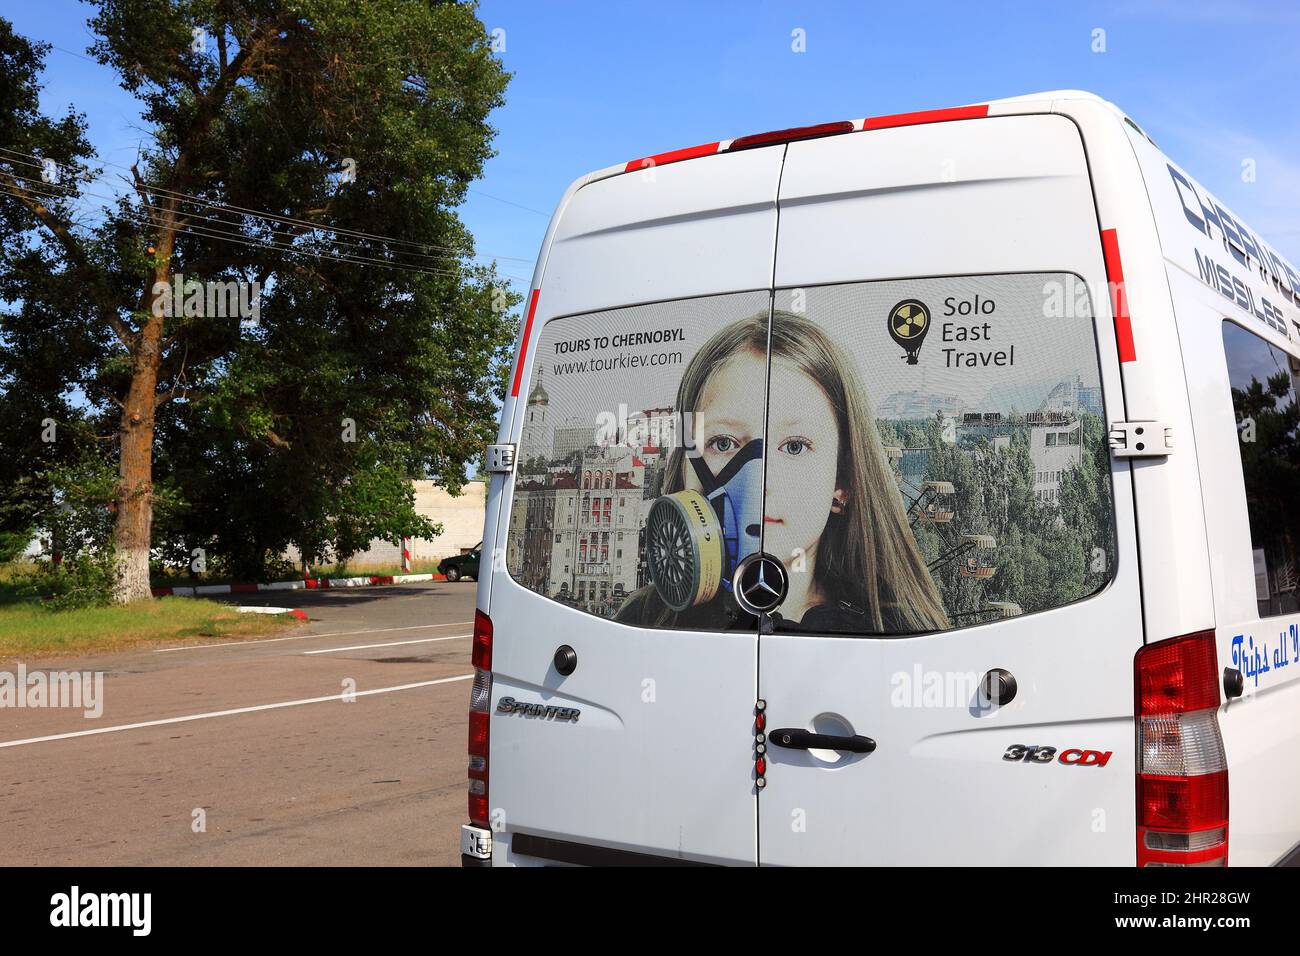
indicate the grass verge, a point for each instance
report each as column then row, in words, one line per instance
column 364, row 569
column 29, row 631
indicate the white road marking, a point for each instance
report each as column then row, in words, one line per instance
column 231, row 713
column 304, row 637
column 362, row 647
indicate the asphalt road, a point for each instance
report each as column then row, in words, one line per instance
column 290, row 779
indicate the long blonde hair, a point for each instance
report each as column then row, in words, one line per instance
column 866, row 554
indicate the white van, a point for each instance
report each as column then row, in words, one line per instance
column 909, row 490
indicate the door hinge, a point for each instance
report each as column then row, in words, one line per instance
column 475, row 842
column 1141, row 439
column 500, row 459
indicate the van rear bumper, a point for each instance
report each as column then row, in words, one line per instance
column 584, row 854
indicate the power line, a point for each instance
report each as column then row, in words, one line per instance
column 215, row 233
column 210, row 219
column 88, row 59
column 245, row 211
column 209, row 229
column 509, row 203
column 49, row 190
column 291, row 250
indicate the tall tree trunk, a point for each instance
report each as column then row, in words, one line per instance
column 133, row 528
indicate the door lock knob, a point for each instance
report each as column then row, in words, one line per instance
column 1000, row 686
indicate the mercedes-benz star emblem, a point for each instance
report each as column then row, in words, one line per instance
column 760, row 583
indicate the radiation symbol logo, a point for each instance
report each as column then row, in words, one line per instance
column 909, row 321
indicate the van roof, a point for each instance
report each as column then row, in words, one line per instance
column 969, row 111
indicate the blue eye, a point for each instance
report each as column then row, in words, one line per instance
column 795, row 446
column 722, row 443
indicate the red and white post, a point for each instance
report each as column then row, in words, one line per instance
column 406, row 555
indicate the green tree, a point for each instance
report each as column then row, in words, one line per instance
column 372, row 360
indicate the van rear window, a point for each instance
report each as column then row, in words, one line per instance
column 1262, row 377
column 920, row 454
column 604, row 441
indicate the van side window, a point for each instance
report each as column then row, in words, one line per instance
column 1262, row 377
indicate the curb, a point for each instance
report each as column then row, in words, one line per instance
column 292, row 612
column 309, row 584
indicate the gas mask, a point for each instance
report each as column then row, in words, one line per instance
column 694, row 540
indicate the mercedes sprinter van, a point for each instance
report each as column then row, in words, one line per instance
column 922, row 489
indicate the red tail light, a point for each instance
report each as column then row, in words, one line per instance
column 480, row 699
column 1182, row 785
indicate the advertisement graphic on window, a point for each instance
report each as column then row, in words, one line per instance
column 920, row 454
column 951, row 466
column 616, row 400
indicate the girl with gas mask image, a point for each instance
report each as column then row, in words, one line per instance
column 833, row 513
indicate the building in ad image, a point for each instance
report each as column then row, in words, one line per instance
column 575, row 531
column 1055, row 445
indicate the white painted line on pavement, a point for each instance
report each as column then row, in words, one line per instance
column 304, row 637
column 362, row 647
column 231, row 713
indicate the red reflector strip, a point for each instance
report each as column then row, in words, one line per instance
column 808, row 132
column 523, row 344
column 926, row 116
column 672, row 156
column 1118, row 295
column 481, row 651
column 787, row 135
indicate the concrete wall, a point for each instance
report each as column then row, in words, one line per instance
column 461, row 518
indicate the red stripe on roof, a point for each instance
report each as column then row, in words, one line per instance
column 1118, row 295
column 523, row 344
column 672, row 156
column 926, row 116
column 875, row 122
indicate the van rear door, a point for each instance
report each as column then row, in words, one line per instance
column 643, row 268
column 976, row 530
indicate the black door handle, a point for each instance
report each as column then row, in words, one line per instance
column 806, row 740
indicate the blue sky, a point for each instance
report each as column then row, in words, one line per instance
column 1213, row 83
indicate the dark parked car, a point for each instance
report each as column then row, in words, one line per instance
column 462, row 565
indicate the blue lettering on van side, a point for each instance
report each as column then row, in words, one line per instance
column 1254, row 661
